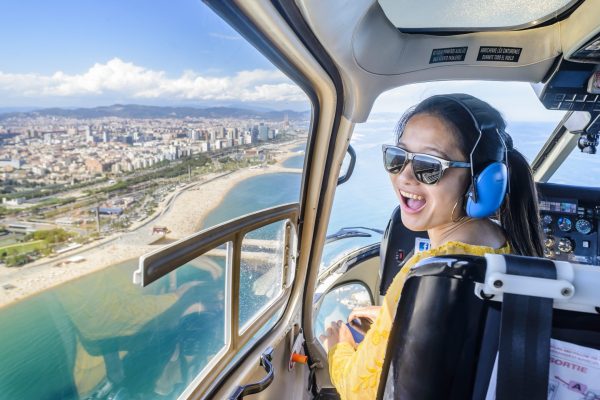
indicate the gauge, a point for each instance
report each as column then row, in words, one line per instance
column 546, row 219
column 548, row 253
column 549, row 242
column 565, row 245
column 583, row 226
column 564, row 224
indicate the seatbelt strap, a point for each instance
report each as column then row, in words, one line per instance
column 525, row 328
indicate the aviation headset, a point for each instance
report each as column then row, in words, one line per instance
column 488, row 158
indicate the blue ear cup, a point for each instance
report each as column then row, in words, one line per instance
column 490, row 185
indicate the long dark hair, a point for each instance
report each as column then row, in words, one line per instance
column 519, row 214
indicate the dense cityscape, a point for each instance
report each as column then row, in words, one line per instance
column 68, row 180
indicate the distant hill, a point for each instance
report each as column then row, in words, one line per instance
column 140, row 111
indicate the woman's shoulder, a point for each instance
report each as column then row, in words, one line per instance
column 451, row 247
column 458, row 247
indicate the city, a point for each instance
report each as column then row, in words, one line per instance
column 68, row 181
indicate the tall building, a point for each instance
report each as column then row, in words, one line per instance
column 263, row 132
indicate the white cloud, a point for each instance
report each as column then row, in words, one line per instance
column 127, row 80
column 515, row 100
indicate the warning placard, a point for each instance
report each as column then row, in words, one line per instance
column 496, row 53
column 574, row 373
column 448, row 54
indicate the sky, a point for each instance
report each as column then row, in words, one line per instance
column 85, row 53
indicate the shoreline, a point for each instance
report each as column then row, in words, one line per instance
column 183, row 212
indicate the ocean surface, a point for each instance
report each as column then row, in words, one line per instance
column 101, row 334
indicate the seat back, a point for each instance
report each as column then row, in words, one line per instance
column 397, row 245
column 445, row 339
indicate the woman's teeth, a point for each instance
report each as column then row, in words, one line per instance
column 411, row 195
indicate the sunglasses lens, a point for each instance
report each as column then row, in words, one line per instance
column 427, row 170
column 394, row 159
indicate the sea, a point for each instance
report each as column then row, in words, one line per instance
column 101, row 336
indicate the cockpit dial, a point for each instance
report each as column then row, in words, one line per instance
column 583, row 226
column 546, row 220
column 564, row 224
column 565, row 245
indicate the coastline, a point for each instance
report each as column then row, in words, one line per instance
column 183, row 212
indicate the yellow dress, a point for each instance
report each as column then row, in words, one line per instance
column 355, row 373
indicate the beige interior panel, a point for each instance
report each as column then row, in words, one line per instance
column 373, row 56
column 580, row 27
column 288, row 384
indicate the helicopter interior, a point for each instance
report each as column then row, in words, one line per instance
column 345, row 55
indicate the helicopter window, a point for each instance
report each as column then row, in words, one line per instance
column 468, row 14
column 339, row 302
column 115, row 143
column 578, row 169
column 262, row 270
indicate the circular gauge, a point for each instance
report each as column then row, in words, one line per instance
column 583, row 226
column 546, row 219
column 548, row 253
column 549, row 242
column 565, row 245
column 564, row 224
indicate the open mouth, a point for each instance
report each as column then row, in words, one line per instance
column 412, row 202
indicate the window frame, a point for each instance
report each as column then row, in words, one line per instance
column 157, row 264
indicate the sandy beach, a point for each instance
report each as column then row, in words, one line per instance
column 183, row 212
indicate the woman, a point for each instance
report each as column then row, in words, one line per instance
column 445, row 128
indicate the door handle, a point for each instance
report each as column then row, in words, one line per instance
column 252, row 388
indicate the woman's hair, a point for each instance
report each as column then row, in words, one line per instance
column 518, row 214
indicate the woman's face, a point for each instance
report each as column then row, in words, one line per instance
column 425, row 206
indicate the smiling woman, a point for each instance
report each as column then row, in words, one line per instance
column 450, row 142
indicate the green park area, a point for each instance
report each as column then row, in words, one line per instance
column 32, row 246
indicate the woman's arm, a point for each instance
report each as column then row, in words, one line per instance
column 355, row 373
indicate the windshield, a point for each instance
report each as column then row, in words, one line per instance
column 471, row 13
column 367, row 199
column 124, row 127
column 579, row 169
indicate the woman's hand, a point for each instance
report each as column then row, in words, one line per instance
column 370, row 313
column 336, row 333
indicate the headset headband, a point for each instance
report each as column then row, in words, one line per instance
column 482, row 122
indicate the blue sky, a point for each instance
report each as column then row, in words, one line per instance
column 92, row 52
column 161, row 35
column 84, row 53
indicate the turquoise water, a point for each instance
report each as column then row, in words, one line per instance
column 256, row 193
column 42, row 339
column 49, row 337
column 102, row 314
column 294, row 162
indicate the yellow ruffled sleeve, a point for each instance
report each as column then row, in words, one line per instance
column 356, row 373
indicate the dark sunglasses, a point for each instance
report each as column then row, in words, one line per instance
column 427, row 169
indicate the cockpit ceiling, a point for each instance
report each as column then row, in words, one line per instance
column 472, row 15
column 373, row 55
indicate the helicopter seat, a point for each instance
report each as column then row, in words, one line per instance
column 397, row 246
column 495, row 327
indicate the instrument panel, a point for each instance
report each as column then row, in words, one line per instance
column 570, row 218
